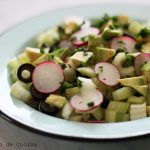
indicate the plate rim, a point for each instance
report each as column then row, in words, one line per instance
column 60, row 136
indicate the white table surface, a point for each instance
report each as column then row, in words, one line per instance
column 15, row 11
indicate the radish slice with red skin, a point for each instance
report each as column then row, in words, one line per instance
column 126, row 42
column 107, row 73
column 79, row 43
column 80, row 103
column 83, row 33
column 140, row 60
column 47, row 77
column 89, row 98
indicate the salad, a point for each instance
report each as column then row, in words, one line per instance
column 86, row 70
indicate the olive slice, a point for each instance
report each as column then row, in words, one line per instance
column 48, row 109
column 24, row 73
column 36, row 94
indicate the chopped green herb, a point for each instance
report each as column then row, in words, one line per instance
column 101, row 68
column 119, row 50
column 65, row 86
column 121, row 42
column 78, row 82
column 101, row 22
column 63, row 65
column 125, row 26
column 138, row 46
column 144, row 32
column 90, row 104
column 129, row 61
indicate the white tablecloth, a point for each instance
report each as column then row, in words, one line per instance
column 11, row 136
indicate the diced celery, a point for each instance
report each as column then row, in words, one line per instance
column 121, row 117
column 110, row 115
column 67, row 110
column 72, row 91
column 123, row 93
column 98, row 113
column 136, row 100
column 137, row 111
column 121, row 107
column 76, row 118
column 20, row 91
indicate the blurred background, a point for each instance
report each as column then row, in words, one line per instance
column 14, row 11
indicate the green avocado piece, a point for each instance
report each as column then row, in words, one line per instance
column 141, row 80
column 56, row 54
column 95, row 41
column 143, row 89
column 81, row 57
column 103, row 54
column 108, row 33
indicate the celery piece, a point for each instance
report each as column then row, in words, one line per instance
column 121, row 117
column 110, row 115
column 137, row 111
column 72, row 91
column 136, row 100
column 121, row 107
column 123, row 93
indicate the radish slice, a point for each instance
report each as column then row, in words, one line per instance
column 78, row 20
column 47, row 77
column 83, row 33
column 79, row 43
column 139, row 61
column 90, row 97
column 107, row 73
column 124, row 42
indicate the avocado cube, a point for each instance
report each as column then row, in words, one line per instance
column 81, row 57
